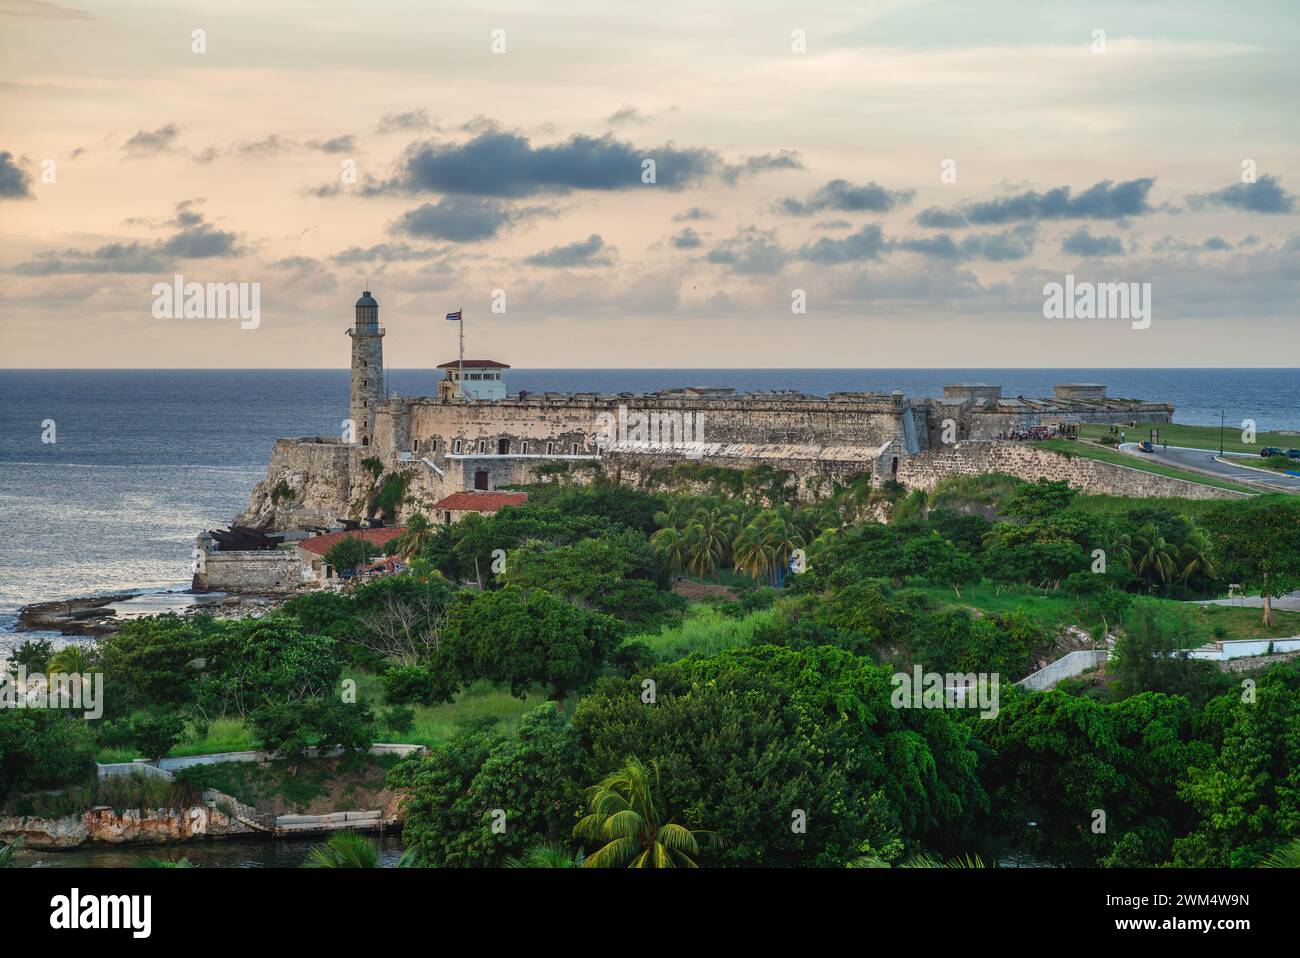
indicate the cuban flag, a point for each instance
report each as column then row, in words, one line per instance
column 454, row 317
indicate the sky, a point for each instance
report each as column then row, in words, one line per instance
column 866, row 184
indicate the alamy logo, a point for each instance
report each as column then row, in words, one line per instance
column 58, row 690
column 73, row 911
column 668, row 428
column 1073, row 300
column 952, row 690
column 181, row 300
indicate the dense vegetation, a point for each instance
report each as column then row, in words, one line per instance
column 702, row 673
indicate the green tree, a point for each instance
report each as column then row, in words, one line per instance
column 344, row 850
column 546, row 855
column 350, row 552
column 622, row 811
column 416, row 538
column 1257, row 544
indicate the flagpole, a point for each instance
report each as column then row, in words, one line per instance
column 460, row 371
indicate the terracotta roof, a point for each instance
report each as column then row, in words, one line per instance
column 477, row 363
column 321, row 544
column 479, row 501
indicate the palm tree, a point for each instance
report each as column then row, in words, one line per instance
column 623, row 814
column 419, row 533
column 1154, row 557
column 71, row 659
column 701, row 556
column 7, row 852
column 671, row 546
column 1194, row 556
column 344, row 850
column 922, row 860
column 1284, row 856
column 546, row 855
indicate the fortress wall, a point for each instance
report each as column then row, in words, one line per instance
column 1026, row 462
column 815, row 477
column 575, row 420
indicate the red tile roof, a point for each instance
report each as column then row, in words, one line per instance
column 476, row 363
column 479, row 501
column 321, row 544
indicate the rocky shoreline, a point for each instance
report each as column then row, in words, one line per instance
column 96, row 616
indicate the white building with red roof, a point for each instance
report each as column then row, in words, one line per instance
column 454, row 507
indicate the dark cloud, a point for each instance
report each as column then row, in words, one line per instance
column 1101, row 201
column 1265, row 195
column 195, row 238
column 337, row 144
column 1217, row 244
column 940, row 219
column 412, row 120
column 750, row 252
column 462, row 219
column 844, row 197
column 508, row 165
column 1083, row 243
column 1010, row 244
column 149, row 142
column 266, row 147
column 589, row 252
column 300, row 264
column 687, row 239
column 868, row 243
column 627, row 114
column 694, row 213
column 385, row 253
column 834, row 225
column 15, row 184
column 766, row 163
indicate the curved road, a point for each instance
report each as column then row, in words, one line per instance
column 1203, row 460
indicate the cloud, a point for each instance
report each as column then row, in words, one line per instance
column 1012, row 244
column 687, row 239
column 1101, row 201
column 1265, row 195
column 750, row 252
column 195, row 238
column 300, row 264
column 844, row 197
column 266, row 147
column 462, row 219
column 627, row 114
column 866, row 244
column 508, row 165
column 337, row 144
column 766, row 163
column 385, row 253
column 937, row 218
column 412, row 120
column 1217, row 244
column 15, row 184
column 1083, row 243
column 149, row 142
column 589, row 252
column 692, row 214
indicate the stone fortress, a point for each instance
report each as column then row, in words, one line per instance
column 474, row 436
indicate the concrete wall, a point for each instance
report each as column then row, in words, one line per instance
column 1068, row 666
column 277, row 570
column 1027, row 462
column 1240, row 648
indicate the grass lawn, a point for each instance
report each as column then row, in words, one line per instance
column 1198, row 437
column 1087, row 451
column 1053, row 612
column 704, row 630
column 1099, row 505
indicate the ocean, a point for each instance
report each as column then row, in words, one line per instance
column 145, row 459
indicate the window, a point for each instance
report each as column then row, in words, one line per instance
column 550, row 448
column 503, row 447
column 482, row 446
column 433, row 446
column 415, row 445
column 455, row 449
column 523, row 447
column 481, row 480
column 575, row 448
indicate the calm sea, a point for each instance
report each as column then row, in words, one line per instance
column 144, row 459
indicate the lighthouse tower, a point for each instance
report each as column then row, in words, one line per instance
column 367, row 368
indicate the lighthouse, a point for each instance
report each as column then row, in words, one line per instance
column 367, row 368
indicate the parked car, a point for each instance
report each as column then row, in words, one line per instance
column 1145, row 446
column 1292, row 453
column 1270, row 451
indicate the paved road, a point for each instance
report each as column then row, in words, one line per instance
column 1290, row 602
column 1203, row 459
